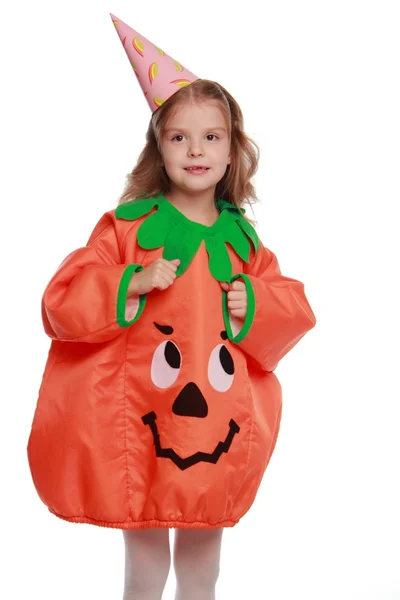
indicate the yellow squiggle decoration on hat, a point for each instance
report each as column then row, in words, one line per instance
column 178, row 65
column 153, row 71
column 181, row 82
column 138, row 46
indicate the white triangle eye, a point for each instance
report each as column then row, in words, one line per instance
column 166, row 364
column 221, row 368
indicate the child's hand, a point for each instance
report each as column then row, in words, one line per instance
column 237, row 298
column 159, row 274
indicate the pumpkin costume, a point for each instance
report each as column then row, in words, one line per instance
column 164, row 411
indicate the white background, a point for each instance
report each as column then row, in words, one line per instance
column 319, row 86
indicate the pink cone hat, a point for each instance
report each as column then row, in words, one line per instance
column 159, row 75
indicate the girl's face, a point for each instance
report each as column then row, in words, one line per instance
column 196, row 135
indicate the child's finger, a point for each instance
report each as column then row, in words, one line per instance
column 236, row 295
column 238, row 285
column 236, row 304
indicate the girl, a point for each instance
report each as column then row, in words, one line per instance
column 159, row 407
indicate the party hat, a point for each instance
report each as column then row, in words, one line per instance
column 159, row 75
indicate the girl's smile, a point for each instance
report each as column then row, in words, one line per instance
column 197, row 170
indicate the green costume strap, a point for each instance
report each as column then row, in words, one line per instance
column 123, row 296
column 251, row 309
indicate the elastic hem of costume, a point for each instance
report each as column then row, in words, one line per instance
column 147, row 524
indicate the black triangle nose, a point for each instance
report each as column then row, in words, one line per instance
column 190, row 402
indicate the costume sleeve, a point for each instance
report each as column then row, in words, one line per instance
column 278, row 313
column 86, row 300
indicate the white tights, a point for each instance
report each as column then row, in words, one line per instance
column 196, row 560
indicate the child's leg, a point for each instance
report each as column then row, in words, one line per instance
column 147, row 563
column 196, row 563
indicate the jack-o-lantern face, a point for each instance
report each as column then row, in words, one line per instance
column 190, row 401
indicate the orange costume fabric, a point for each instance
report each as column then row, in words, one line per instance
column 164, row 410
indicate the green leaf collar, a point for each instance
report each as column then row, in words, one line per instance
column 182, row 237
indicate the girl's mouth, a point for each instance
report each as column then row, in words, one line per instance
column 196, row 170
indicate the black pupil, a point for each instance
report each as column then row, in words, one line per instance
column 226, row 360
column 172, row 355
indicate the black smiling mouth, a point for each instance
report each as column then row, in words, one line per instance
column 185, row 463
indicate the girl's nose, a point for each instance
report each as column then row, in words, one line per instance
column 195, row 150
column 196, row 153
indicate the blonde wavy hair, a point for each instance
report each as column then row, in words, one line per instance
column 149, row 178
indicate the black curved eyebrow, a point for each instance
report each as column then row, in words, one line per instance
column 167, row 330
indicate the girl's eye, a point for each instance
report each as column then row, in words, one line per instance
column 209, row 135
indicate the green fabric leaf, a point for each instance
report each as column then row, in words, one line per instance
column 135, row 209
column 183, row 244
column 234, row 235
column 154, row 230
column 219, row 261
column 221, row 204
column 250, row 231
